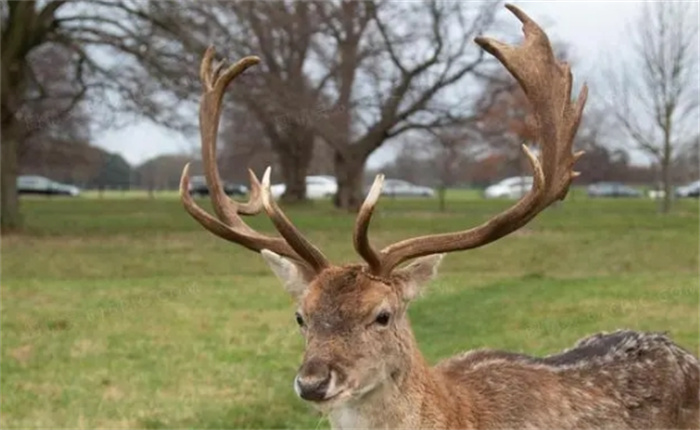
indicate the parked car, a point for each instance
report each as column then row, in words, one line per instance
column 317, row 187
column 689, row 190
column 400, row 188
column 612, row 189
column 32, row 184
column 511, row 188
column 656, row 194
column 198, row 187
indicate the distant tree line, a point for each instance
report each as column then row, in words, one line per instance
column 434, row 164
column 462, row 170
column 77, row 163
column 91, row 167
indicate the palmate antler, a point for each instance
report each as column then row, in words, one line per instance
column 547, row 85
column 229, row 224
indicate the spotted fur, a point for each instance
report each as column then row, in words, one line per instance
column 625, row 379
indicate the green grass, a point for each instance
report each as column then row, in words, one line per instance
column 124, row 313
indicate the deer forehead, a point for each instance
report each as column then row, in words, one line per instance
column 347, row 292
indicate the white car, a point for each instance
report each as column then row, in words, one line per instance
column 509, row 188
column 317, row 187
column 690, row 190
column 32, row 184
column 399, row 188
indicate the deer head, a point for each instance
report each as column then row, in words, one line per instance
column 353, row 318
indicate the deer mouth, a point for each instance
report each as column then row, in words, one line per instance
column 334, row 395
column 346, row 394
column 333, row 401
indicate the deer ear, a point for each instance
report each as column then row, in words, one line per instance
column 418, row 273
column 294, row 277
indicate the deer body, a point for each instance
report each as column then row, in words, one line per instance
column 361, row 363
column 614, row 382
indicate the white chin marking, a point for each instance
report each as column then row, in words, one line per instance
column 332, row 389
column 296, row 386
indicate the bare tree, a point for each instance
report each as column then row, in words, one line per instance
column 394, row 62
column 112, row 62
column 281, row 94
column 655, row 93
column 454, row 147
column 24, row 28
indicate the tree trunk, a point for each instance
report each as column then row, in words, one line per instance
column 10, row 217
column 666, row 165
column 441, row 195
column 293, row 171
column 349, row 174
column 295, row 156
column 666, row 179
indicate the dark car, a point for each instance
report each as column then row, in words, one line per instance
column 198, row 188
column 612, row 189
column 39, row 185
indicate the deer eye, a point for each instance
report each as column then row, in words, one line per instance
column 299, row 319
column 383, row 318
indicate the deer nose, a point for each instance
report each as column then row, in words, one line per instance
column 312, row 380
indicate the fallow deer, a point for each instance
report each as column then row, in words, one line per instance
column 362, row 365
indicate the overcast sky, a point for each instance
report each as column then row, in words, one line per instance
column 592, row 29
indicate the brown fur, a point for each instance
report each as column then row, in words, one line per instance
column 620, row 380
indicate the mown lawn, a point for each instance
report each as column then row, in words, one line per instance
column 124, row 313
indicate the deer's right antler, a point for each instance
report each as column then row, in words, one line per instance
column 229, row 224
column 547, row 85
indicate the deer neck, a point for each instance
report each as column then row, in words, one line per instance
column 401, row 401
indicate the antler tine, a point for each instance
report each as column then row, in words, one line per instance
column 295, row 239
column 547, row 84
column 244, row 235
column 229, row 224
column 359, row 238
column 216, row 83
column 254, row 204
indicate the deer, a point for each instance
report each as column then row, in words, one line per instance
column 362, row 366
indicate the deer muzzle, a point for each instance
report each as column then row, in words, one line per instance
column 316, row 381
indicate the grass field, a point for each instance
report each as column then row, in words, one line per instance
column 124, row 313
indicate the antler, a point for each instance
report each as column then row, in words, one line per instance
column 229, row 224
column 547, row 85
